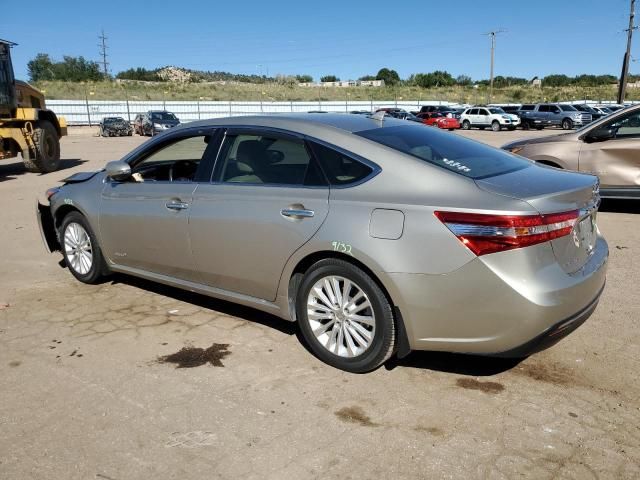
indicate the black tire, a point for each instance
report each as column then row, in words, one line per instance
column 511, row 129
column 495, row 126
column 451, row 129
column 46, row 157
column 526, row 125
column 384, row 337
column 99, row 267
column 130, row 133
column 539, row 127
column 567, row 124
column 481, row 128
column 466, row 125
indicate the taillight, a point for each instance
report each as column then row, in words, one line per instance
column 483, row 234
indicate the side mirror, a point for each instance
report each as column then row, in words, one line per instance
column 600, row 135
column 118, row 170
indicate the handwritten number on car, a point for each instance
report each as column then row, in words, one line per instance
column 342, row 247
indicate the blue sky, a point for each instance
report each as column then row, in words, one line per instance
column 345, row 38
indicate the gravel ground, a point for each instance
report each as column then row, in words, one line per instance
column 88, row 390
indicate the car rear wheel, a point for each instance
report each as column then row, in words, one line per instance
column 495, row 126
column 344, row 316
column 567, row 124
column 80, row 249
column 466, row 125
column 539, row 127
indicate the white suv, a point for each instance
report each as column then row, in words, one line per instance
column 492, row 117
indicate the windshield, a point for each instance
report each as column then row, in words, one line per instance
column 113, row 120
column 163, row 116
column 497, row 110
column 451, row 152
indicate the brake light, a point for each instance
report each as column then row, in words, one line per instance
column 483, row 234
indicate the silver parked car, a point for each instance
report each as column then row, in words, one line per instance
column 377, row 235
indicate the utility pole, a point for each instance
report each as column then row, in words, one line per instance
column 493, row 48
column 625, row 61
column 103, row 53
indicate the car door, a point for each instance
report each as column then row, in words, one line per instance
column 484, row 117
column 144, row 221
column 472, row 116
column 267, row 198
column 542, row 115
column 616, row 161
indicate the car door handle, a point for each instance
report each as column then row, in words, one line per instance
column 297, row 213
column 176, row 205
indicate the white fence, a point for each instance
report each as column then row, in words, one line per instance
column 90, row 112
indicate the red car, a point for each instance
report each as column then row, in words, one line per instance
column 439, row 120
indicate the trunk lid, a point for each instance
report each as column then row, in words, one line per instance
column 550, row 190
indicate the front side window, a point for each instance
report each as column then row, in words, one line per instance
column 260, row 160
column 176, row 162
column 628, row 126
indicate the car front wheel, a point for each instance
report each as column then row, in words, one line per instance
column 80, row 249
column 466, row 125
column 567, row 124
column 345, row 317
column 495, row 126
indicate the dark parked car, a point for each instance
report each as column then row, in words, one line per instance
column 154, row 122
column 115, row 127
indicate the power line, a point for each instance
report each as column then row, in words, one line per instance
column 625, row 60
column 103, row 53
column 493, row 48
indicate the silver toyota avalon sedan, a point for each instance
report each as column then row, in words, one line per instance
column 378, row 236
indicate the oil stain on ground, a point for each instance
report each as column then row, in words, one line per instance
column 355, row 414
column 486, row 387
column 548, row 373
column 190, row 357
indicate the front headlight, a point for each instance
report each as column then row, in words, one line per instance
column 506, row 117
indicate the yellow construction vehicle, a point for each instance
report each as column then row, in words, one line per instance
column 26, row 126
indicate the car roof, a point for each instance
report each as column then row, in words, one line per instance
column 298, row 121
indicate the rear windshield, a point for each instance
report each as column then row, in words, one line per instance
column 456, row 154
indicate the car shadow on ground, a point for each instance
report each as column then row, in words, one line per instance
column 461, row 364
column 620, row 206
column 9, row 171
column 209, row 303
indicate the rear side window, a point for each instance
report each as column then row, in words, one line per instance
column 567, row 108
column 527, row 107
column 543, row 108
column 339, row 168
column 451, row 152
column 260, row 160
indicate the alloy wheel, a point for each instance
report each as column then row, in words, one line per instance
column 77, row 248
column 341, row 316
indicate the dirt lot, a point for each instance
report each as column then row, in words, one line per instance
column 83, row 394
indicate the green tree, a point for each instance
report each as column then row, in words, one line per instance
column 40, row 68
column 304, row 78
column 463, row 80
column 141, row 74
column 390, row 77
column 329, row 78
column 367, row 78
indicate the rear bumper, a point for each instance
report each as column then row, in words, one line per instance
column 553, row 334
column 500, row 303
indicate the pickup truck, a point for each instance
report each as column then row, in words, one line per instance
column 552, row 114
